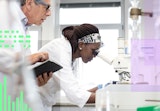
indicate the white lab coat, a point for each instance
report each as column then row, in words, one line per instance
column 11, row 66
column 9, row 21
column 12, row 18
column 60, row 51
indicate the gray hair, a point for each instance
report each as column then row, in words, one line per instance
column 23, row 2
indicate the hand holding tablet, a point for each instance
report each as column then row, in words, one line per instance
column 47, row 66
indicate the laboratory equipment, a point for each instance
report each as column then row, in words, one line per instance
column 123, row 97
column 145, row 42
column 143, row 88
column 121, row 64
column 135, row 18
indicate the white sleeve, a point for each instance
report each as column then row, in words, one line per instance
column 61, row 53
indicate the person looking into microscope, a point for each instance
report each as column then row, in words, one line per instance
column 81, row 41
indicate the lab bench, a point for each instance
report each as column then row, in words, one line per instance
column 71, row 107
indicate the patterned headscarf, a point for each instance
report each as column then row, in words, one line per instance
column 91, row 38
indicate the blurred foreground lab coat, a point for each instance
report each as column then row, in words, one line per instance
column 19, row 78
column 60, row 51
column 13, row 66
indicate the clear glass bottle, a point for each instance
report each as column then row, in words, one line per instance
column 134, row 21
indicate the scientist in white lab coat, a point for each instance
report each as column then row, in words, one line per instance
column 81, row 41
column 12, row 66
column 15, row 17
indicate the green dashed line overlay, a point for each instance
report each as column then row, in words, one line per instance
column 14, row 35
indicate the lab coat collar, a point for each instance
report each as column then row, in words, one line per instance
column 24, row 20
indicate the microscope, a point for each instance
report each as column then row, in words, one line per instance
column 121, row 65
column 125, row 95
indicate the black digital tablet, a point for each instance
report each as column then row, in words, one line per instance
column 47, row 66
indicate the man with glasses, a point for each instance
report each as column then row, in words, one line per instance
column 36, row 12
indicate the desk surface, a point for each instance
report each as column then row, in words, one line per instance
column 72, row 105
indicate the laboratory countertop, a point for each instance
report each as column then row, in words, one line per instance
column 71, row 107
column 69, row 104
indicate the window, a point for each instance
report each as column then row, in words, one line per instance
column 98, row 15
column 34, row 41
column 107, row 17
column 35, row 33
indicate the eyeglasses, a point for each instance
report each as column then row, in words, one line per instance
column 44, row 4
column 95, row 52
